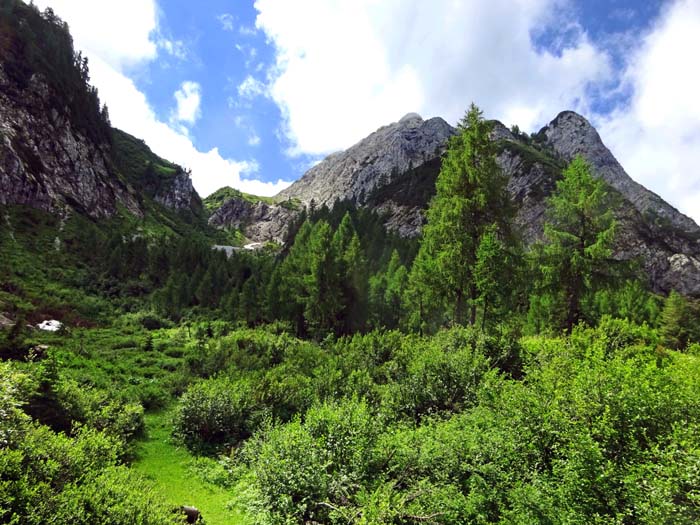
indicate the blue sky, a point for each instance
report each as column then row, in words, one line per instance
column 251, row 94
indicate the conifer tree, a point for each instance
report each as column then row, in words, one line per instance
column 576, row 260
column 286, row 291
column 321, row 301
column 386, row 293
column 680, row 321
column 351, row 270
column 471, row 199
column 494, row 274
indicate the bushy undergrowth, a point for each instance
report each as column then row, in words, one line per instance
column 56, row 477
column 602, row 426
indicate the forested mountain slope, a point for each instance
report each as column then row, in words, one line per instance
column 393, row 171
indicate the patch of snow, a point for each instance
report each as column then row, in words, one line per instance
column 50, row 326
column 224, row 248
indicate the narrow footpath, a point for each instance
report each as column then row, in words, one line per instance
column 162, row 461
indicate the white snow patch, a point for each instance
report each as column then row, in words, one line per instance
column 50, row 326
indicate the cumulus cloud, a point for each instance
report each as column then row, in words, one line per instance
column 656, row 135
column 99, row 26
column 188, row 99
column 98, row 29
column 369, row 63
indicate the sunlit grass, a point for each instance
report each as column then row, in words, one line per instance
column 167, row 464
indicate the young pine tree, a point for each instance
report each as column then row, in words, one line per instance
column 471, row 199
column 321, row 287
column 679, row 321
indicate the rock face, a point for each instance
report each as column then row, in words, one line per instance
column 666, row 242
column 570, row 134
column 373, row 162
column 259, row 221
column 180, row 194
column 46, row 163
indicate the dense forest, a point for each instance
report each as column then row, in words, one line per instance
column 349, row 375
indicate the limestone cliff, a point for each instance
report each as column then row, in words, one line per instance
column 46, row 163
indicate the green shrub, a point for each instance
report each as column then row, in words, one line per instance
column 290, row 473
column 439, row 374
column 116, row 496
column 215, row 413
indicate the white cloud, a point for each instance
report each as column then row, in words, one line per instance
column 247, row 31
column 175, row 48
column 120, row 33
column 656, row 137
column 251, row 88
column 188, row 98
column 253, row 139
column 371, row 62
column 98, row 28
column 249, row 52
column 244, row 124
column 227, row 20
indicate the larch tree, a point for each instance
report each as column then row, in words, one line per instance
column 576, row 260
column 471, row 199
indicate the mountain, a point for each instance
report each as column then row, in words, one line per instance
column 393, row 173
column 58, row 152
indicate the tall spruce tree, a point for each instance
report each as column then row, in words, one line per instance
column 471, row 199
column 576, row 260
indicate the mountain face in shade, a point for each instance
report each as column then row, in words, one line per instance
column 58, row 152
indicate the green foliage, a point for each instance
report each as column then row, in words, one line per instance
column 576, row 261
column 386, row 292
column 214, row 413
column 214, row 201
column 114, row 497
column 680, row 321
column 329, row 454
column 471, row 199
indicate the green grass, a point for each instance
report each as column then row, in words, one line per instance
column 168, row 465
column 214, row 201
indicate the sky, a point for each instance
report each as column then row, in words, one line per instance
column 251, row 94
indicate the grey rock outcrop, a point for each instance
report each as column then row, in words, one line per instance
column 46, row 163
column 180, row 194
column 375, row 161
column 258, row 221
column 570, row 134
column 663, row 240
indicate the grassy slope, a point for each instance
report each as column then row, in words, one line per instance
column 214, row 201
column 167, row 465
column 217, row 199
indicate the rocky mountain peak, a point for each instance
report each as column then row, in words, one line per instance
column 570, row 134
column 373, row 162
column 411, row 117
